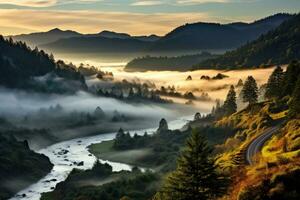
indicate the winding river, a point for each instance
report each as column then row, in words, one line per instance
column 71, row 154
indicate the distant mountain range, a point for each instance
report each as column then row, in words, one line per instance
column 111, row 34
column 189, row 37
column 36, row 39
column 42, row 38
column 95, row 44
column 279, row 46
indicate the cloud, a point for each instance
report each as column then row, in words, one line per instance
column 44, row 3
column 147, row 3
column 15, row 20
column 194, row 2
column 191, row 2
column 30, row 3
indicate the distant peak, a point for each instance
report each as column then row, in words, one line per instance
column 153, row 35
column 106, row 31
column 112, row 34
column 55, row 30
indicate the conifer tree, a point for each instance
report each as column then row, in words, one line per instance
column 291, row 75
column 131, row 93
column 163, row 126
column 197, row 116
column 230, row 106
column 250, row 91
column 275, row 84
column 294, row 107
column 213, row 110
column 218, row 110
column 196, row 176
column 240, row 83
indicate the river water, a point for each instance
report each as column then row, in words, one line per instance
column 66, row 156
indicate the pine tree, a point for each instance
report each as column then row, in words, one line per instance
column 196, row 176
column 291, row 75
column 250, row 91
column 275, row 84
column 131, row 93
column 294, row 107
column 197, row 116
column 230, row 106
column 163, row 126
column 240, row 83
column 213, row 110
column 219, row 110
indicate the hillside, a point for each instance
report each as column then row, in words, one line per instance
column 21, row 67
column 19, row 166
column 179, row 63
column 278, row 46
column 216, row 36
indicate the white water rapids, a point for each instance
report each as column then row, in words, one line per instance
column 77, row 151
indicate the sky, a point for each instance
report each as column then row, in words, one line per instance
column 136, row 17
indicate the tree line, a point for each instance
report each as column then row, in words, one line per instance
column 19, row 65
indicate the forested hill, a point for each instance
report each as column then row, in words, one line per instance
column 179, row 63
column 279, row 46
column 24, row 68
column 19, row 166
column 217, row 36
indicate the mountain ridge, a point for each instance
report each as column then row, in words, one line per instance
column 188, row 37
column 276, row 47
column 203, row 35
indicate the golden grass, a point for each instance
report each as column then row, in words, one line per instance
column 279, row 155
column 245, row 177
column 285, row 145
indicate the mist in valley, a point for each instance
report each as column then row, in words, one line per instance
column 61, row 117
column 216, row 89
column 64, row 116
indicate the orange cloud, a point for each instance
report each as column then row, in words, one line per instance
column 23, row 21
column 30, row 3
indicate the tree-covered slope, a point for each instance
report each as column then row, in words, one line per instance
column 19, row 166
column 216, row 36
column 279, row 46
column 179, row 63
column 22, row 67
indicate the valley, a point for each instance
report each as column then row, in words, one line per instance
column 162, row 110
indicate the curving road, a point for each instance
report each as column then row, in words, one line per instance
column 256, row 145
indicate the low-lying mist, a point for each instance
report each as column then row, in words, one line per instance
column 15, row 102
column 77, row 115
column 80, row 114
column 216, row 89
